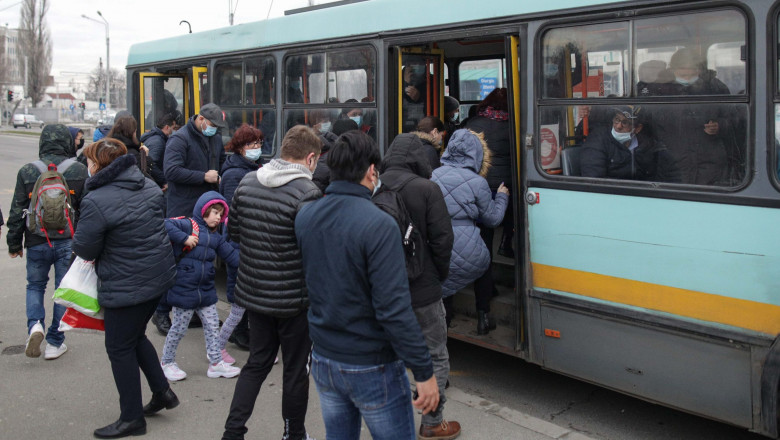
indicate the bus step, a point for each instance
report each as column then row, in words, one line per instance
column 501, row 339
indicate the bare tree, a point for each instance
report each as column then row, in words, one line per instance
column 96, row 88
column 36, row 46
column 5, row 63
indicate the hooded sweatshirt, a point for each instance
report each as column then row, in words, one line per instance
column 262, row 218
column 54, row 147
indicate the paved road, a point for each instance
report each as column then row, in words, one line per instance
column 494, row 396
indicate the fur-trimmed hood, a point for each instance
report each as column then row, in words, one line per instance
column 122, row 170
column 467, row 149
column 427, row 137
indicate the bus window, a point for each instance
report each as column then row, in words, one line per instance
column 476, row 79
column 421, row 87
column 631, row 142
column 227, row 77
column 259, row 81
column 692, row 54
column 331, row 78
column 322, row 119
column 585, row 61
column 244, row 89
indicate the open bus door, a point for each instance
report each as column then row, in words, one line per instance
column 420, row 86
column 158, row 94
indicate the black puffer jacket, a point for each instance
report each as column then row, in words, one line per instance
column 498, row 141
column 321, row 176
column 123, row 229
column 405, row 161
column 262, row 219
column 603, row 156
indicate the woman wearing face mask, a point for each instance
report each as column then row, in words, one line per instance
column 430, row 130
column 356, row 114
column 627, row 150
column 246, row 146
column 321, row 123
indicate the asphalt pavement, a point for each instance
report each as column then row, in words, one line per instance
column 69, row 397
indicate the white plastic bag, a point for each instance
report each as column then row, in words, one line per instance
column 78, row 288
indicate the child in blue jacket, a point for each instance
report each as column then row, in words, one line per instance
column 197, row 241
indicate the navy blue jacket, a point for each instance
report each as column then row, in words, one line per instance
column 155, row 141
column 360, row 306
column 122, row 229
column 194, row 286
column 235, row 168
column 188, row 155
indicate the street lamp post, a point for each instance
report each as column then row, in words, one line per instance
column 108, row 63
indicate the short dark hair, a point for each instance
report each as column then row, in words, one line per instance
column 299, row 142
column 342, row 126
column 428, row 123
column 351, row 156
column 166, row 119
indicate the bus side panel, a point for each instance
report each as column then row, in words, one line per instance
column 706, row 377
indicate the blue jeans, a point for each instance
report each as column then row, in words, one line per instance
column 379, row 393
column 40, row 259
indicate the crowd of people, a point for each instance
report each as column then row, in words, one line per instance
column 155, row 213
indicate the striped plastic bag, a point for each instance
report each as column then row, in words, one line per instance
column 78, row 288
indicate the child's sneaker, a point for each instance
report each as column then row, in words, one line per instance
column 222, row 370
column 227, row 358
column 173, row 372
column 33, row 347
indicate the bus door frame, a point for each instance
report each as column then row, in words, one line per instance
column 141, row 92
column 514, row 87
column 194, row 74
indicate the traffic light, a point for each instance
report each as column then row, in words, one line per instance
column 82, row 106
column 10, row 95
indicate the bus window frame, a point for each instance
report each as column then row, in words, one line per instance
column 243, row 60
column 636, row 187
column 327, row 50
column 773, row 57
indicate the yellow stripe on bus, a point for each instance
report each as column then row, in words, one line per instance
column 736, row 312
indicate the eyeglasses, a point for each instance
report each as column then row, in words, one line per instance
column 624, row 122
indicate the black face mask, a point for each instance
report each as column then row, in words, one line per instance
column 80, row 144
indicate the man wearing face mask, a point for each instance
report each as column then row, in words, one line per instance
column 627, row 150
column 700, row 136
column 192, row 157
column 272, row 290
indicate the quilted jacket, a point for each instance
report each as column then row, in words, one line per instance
column 469, row 200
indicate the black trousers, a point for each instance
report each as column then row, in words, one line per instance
column 267, row 334
column 128, row 350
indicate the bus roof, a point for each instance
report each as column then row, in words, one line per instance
column 342, row 21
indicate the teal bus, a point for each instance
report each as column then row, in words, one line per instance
column 664, row 288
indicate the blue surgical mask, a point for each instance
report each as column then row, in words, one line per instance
column 621, row 137
column 356, row 119
column 550, row 70
column 89, row 172
column 376, row 187
column 686, row 82
column 209, row 131
column 295, row 84
column 254, row 154
column 324, row 127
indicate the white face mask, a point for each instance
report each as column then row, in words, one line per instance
column 253, row 154
column 621, row 137
column 686, row 82
column 325, row 127
column 377, row 185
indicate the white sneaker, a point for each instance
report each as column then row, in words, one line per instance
column 53, row 352
column 33, row 348
column 173, row 372
column 222, row 370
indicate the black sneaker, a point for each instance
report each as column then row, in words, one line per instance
column 163, row 322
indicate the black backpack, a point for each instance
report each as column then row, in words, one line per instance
column 391, row 202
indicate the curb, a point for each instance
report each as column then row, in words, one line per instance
column 523, row 420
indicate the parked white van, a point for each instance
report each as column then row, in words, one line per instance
column 26, row 121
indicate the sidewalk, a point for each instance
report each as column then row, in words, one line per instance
column 69, row 397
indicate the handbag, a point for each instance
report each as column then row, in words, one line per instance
column 78, row 288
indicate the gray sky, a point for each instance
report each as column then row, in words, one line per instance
column 79, row 43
